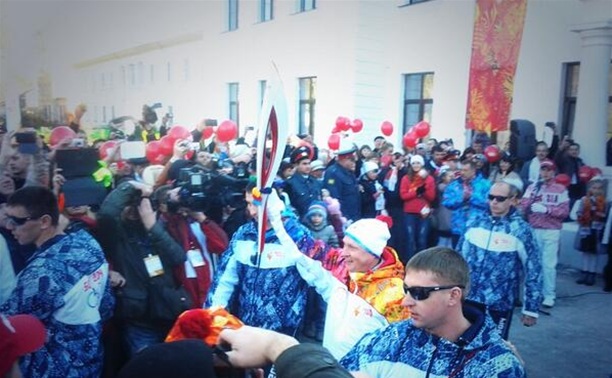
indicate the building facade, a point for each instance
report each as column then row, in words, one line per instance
column 395, row 60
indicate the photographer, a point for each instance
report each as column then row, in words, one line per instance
column 200, row 238
column 143, row 252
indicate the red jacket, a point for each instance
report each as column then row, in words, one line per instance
column 413, row 203
column 216, row 242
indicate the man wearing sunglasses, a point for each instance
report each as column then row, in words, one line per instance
column 445, row 336
column 64, row 284
column 500, row 248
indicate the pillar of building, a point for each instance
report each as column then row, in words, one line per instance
column 591, row 119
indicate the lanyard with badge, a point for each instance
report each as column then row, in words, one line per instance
column 195, row 259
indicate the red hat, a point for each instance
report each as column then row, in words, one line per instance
column 548, row 164
column 19, row 335
column 301, row 153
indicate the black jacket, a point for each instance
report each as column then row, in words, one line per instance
column 126, row 245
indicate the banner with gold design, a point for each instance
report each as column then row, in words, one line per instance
column 498, row 29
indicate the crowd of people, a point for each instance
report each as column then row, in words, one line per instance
column 395, row 260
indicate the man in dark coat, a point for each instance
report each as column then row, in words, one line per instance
column 302, row 188
column 341, row 182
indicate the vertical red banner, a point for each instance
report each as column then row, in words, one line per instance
column 498, row 29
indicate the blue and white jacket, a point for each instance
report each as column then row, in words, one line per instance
column 263, row 291
column 499, row 251
column 464, row 209
column 403, row 350
column 65, row 285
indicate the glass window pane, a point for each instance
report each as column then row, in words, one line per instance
column 232, row 15
column 313, row 88
column 413, row 87
column 427, row 112
column 304, row 89
column 411, row 114
column 428, row 86
column 573, row 80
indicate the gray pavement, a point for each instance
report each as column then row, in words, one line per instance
column 573, row 339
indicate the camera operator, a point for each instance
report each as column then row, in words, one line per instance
column 143, row 252
column 201, row 239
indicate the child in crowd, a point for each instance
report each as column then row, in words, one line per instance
column 316, row 220
column 590, row 212
column 371, row 191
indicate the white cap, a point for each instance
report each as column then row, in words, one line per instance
column 370, row 234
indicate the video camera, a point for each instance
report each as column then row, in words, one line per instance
column 202, row 189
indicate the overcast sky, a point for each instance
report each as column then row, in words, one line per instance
column 54, row 34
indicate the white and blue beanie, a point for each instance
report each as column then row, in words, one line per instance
column 370, row 234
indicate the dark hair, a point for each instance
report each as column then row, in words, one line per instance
column 38, row 201
column 508, row 159
column 379, row 137
column 541, row 143
column 437, row 148
column 446, row 264
column 469, row 150
column 360, row 151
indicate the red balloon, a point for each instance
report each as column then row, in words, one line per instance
column 386, row 128
column 227, row 131
column 335, row 130
column 153, row 151
column 357, row 125
column 585, row 173
column 207, row 132
column 60, row 133
column 343, row 123
column 410, row 140
column 563, row 179
column 179, row 132
column 422, row 129
column 106, row 148
column 492, row 153
column 166, row 145
column 333, row 142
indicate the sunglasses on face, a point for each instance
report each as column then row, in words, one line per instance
column 498, row 198
column 420, row 293
column 17, row 221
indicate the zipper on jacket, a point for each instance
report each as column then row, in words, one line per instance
column 433, row 357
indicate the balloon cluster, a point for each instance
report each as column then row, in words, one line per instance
column 158, row 151
column 343, row 124
column 411, row 138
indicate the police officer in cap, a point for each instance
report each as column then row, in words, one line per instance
column 342, row 183
column 302, row 188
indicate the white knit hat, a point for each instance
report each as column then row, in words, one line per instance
column 417, row 159
column 369, row 166
column 370, row 234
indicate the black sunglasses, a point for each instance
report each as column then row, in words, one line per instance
column 17, row 221
column 498, row 198
column 420, row 293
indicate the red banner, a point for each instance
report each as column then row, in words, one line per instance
column 498, row 29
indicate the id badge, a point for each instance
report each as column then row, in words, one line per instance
column 195, row 258
column 154, row 265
